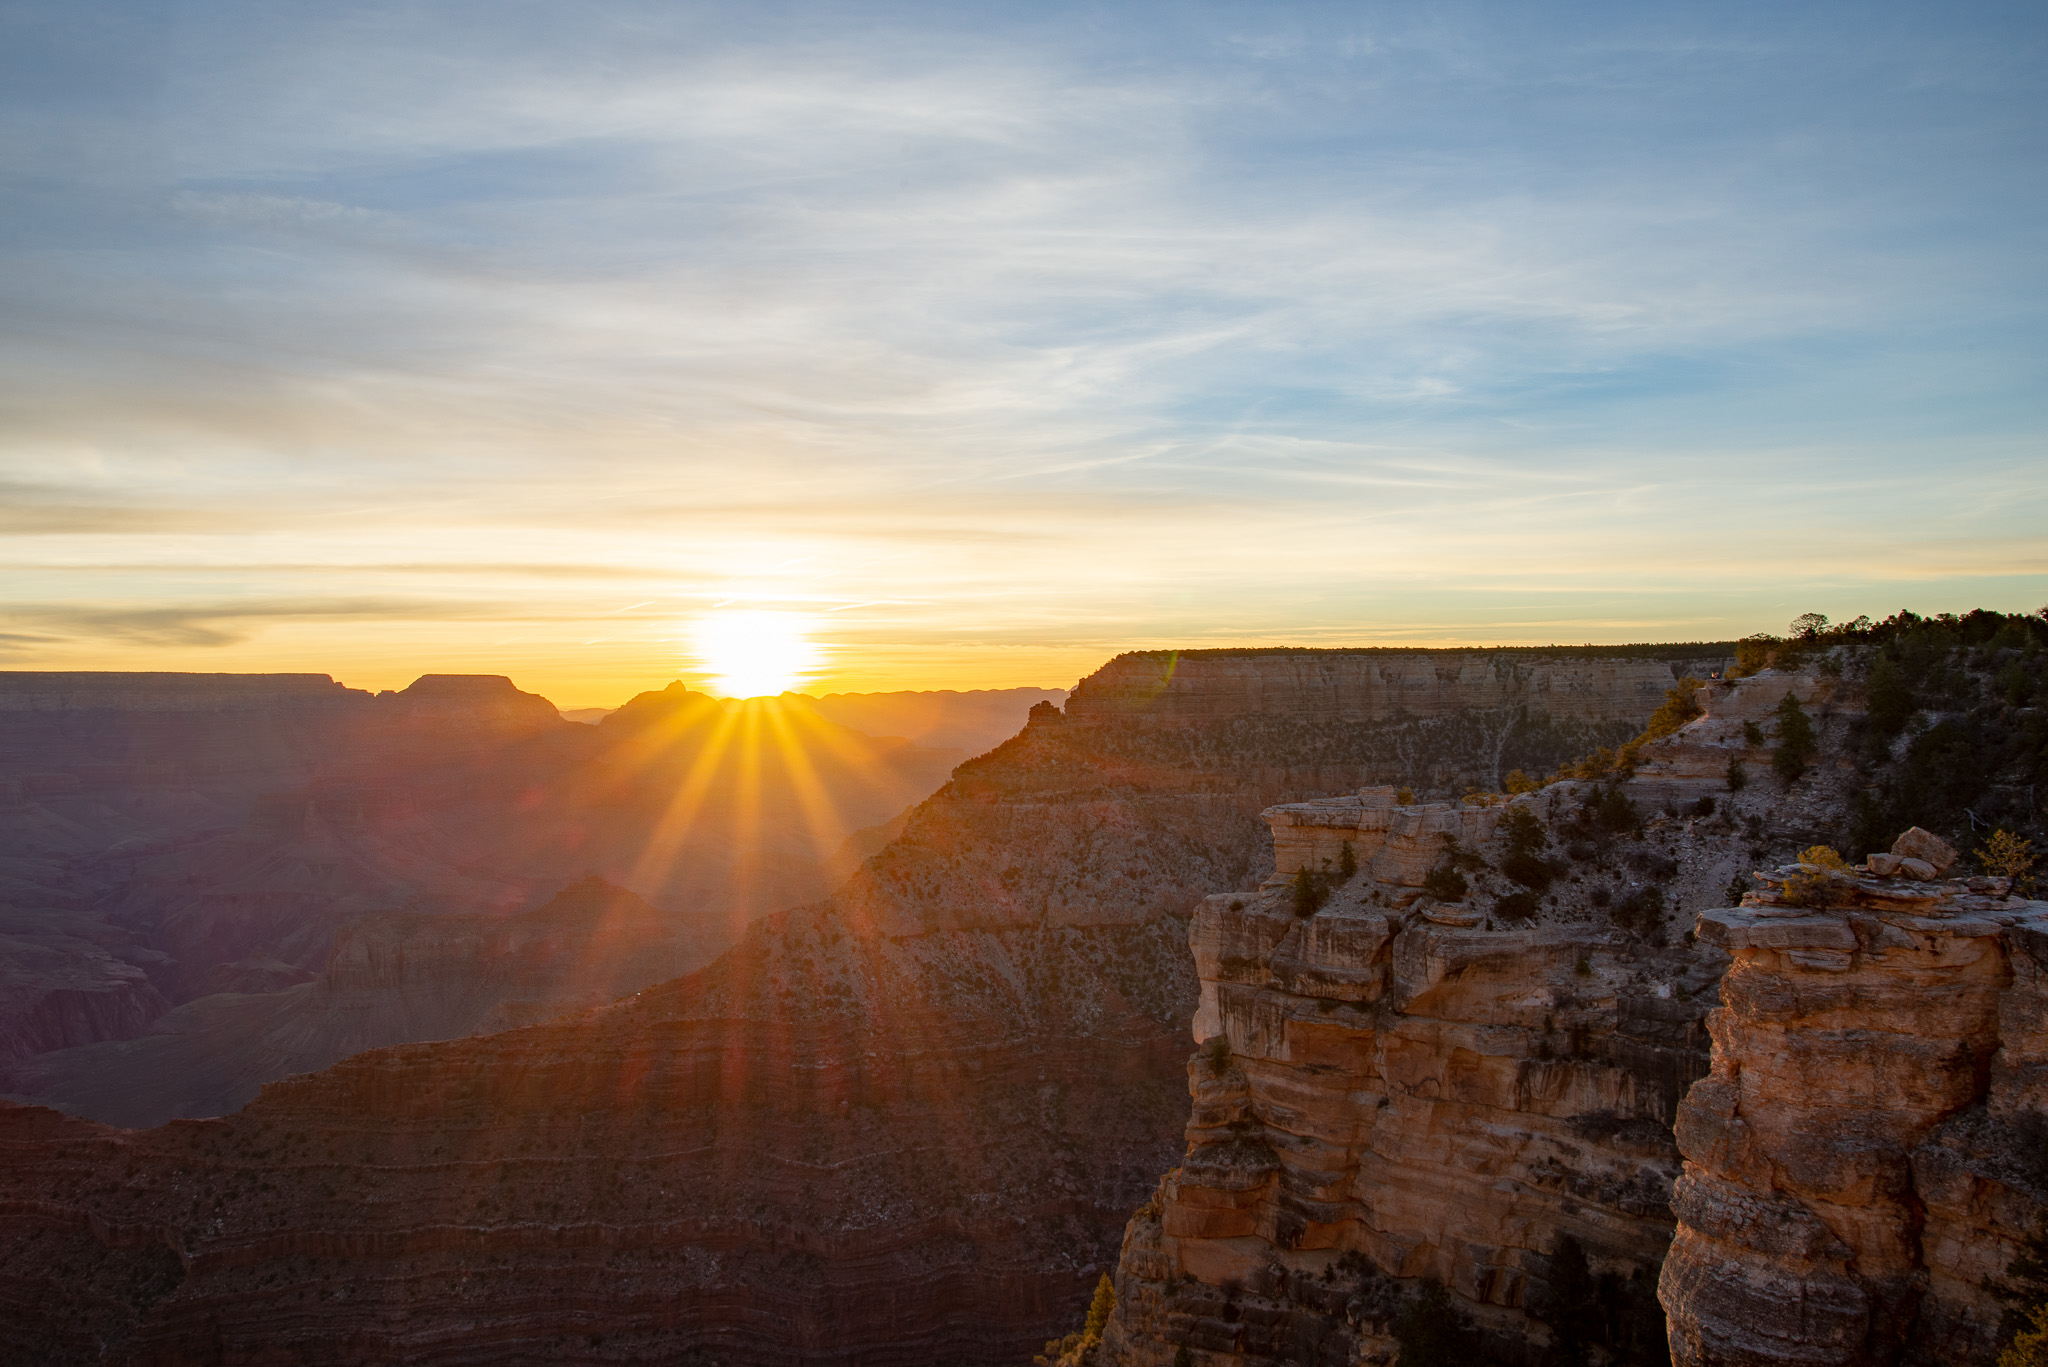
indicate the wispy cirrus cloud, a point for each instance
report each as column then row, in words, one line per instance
column 1356, row 320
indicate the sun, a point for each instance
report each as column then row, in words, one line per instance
column 751, row 653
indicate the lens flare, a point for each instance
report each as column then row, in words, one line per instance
column 751, row 653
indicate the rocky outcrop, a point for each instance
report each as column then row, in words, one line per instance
column 1465, row 1065
column 1866, row 1152
column 58, row 991
column 1384, row 1096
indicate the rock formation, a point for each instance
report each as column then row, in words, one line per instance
column 1407, row 1083
column 1867, row 1151
column 904, row 1125
column 1382, row 1094
column 1339, row 686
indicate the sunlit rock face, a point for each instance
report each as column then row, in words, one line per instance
column 1384, row 1096
column 1866, row 1152
column 1395, row 1089
column 905, row 1125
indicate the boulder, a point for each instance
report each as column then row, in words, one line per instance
column 1920, row 844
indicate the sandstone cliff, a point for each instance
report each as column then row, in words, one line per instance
column 1383, row 1102
column 1343, row 686
column 1866, row 1152
column 1391, row 1089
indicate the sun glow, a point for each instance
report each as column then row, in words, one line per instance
column 751, row 653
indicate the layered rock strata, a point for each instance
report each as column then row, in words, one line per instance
column 1866, row 1152
column 1383, row 1095
column 394, row 977
column 905, row 1126
column 1396, row 1089
column 1336, row 686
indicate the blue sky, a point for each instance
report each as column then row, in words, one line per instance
column 993, row 339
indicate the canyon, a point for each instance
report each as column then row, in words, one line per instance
column 1501, row 1068
column 181, row 855
column 902, row 1124
column 1824, row 1105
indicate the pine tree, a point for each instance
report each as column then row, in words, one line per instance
column 1795, row 739
column 1099, row 1309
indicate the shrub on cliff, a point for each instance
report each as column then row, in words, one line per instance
column 1641, row 913
column 1308, row 890
column 1516, row 906
column 1347, row 863
column 1681, row 705
column 1521, row 830
column 1216, row 1052
column 1446, row 884
column 1753, row 654
column 1434, row 1332
column 2029, row 1347
column 1602, row 1317
column 1890, row 699
column 1796, row 740
column 2024, row 1292
column 2005, row 855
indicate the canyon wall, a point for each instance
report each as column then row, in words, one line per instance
column 1867, row 1151
column 905, row 1125
column 172, row 840
column 1519, row 1083
column 1339, row 686
column 393, row 977
column 1394, row 1087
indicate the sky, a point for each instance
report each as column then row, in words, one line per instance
column 984, row 341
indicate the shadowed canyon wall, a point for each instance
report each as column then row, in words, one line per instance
column 204, row 842
column 905, row 1125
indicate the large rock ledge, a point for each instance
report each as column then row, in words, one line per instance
column 1861, row 1157
column 1380, row 1095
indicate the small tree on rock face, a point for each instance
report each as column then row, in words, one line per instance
column 1796, row 742
column 1446, row 884
column 2005, row 855
column 1099, row 1309
column 1891, row 701
column 1433, row 1332
column 1523, row 831
column 1308, row 891
column 1681, row 705
column 1347, row 862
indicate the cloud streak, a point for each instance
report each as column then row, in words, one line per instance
column 1330, row 320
